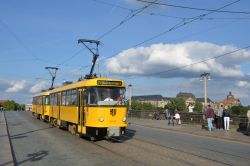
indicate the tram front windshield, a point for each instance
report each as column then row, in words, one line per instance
column 105, row 96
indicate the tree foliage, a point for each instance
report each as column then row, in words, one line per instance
column 240, row 110
column 136, row 105
column 198, row 106
column 176, row 103
column 10, row 105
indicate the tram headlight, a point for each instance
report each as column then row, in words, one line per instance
column 101, row 119
column 124, row 119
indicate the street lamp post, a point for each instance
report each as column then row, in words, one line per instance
column 130, row 96
column 204, row 77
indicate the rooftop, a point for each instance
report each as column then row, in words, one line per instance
column 150, row 97
column 202, row 100
column 185, row 95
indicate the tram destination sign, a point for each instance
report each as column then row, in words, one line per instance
column 109, row 83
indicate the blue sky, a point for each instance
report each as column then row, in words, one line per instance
column 36, row 34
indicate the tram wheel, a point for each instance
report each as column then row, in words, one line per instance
column 55, row 122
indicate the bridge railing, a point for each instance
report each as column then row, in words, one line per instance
column 188, row 118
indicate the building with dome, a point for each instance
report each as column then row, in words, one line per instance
column 230, row 100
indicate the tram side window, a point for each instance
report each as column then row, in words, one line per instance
column 74, row 97
column 63, row 98
column 54, row 99
column 34, row 101
column 47, row 102
column 51, row 99
column 39, row 100
column 68, row 96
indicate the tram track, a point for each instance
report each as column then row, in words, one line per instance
column 117, row 154
column 152, row 151
column 182, row 151
column 104, row 144
column 124, row 140
column 198, row 147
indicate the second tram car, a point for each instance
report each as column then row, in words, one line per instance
column 41, row 105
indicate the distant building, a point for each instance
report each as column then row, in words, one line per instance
column 209, row 102
column 188, row 97
column 156, row 100
column 28, row 107
column 230, row 100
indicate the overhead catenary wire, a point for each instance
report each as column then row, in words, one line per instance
column 201, row 61
column 184, row 23
column 176, row 26
column 69, row 58
column 224, row 18
column 193, row 8
column 131, row 10
column 113, row 5
column 20, row 41
column 134, row 13
column 169, row 16
column 131, row 15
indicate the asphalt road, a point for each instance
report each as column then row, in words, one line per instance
column 36, row 143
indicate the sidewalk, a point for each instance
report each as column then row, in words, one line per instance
column 231, row 135
column 5, row 150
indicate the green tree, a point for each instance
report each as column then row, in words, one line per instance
column 198, row 106
column 10, row 105
column 170, row 105
column 136, row 105
column 176, row 103
column 239, row 110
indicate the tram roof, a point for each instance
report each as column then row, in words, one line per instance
column 84, row 83
column 46, row 93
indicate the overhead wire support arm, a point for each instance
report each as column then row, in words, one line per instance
column 95, row 55
column 52, row 71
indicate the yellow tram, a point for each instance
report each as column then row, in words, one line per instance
column 41, row 105
column 94, row 107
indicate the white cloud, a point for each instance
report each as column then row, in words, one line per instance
column 38, row 87
column 243, row 84
column 159, row 58
column 17, row 86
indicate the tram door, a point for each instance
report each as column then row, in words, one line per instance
column 82, row 108
column 43, row 107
